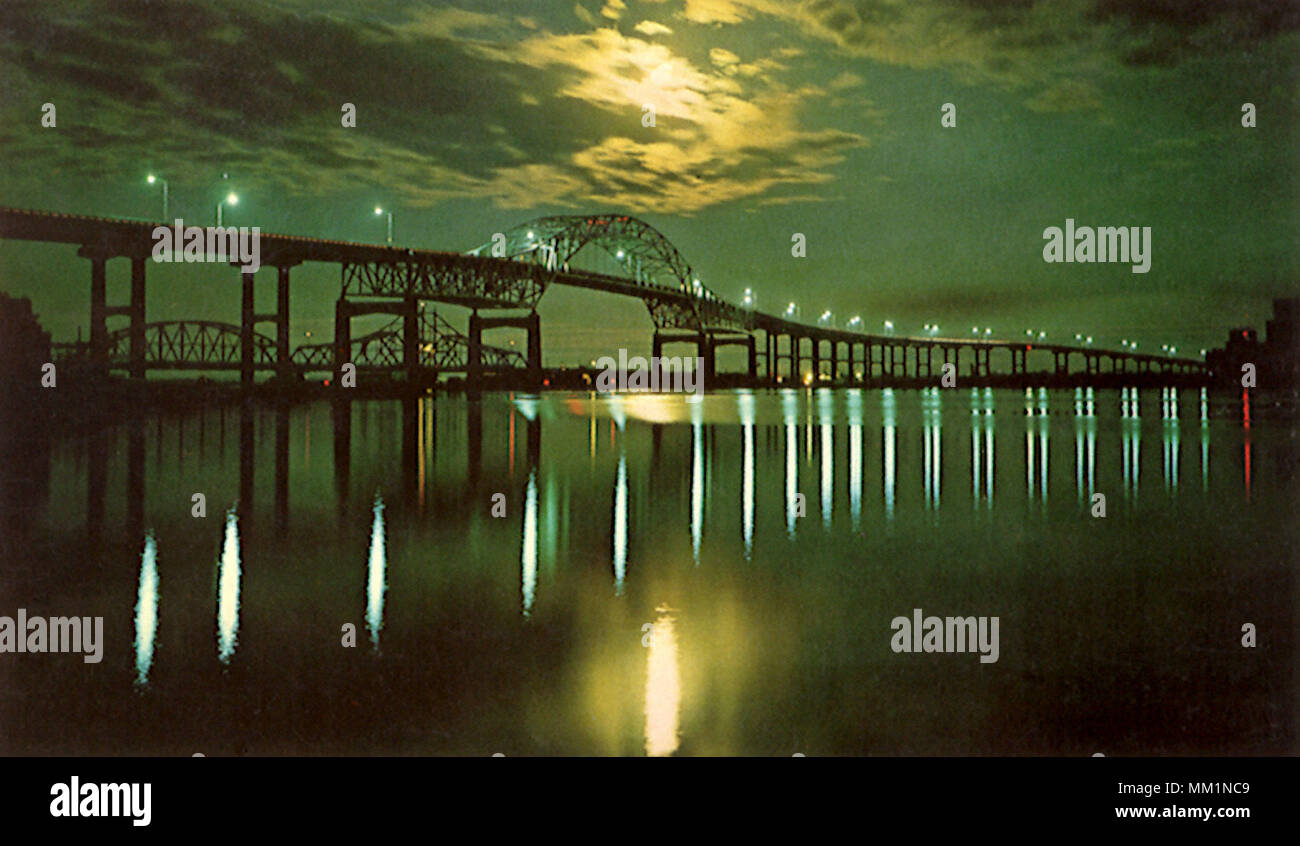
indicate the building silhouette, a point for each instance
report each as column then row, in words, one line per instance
column 1276, row 358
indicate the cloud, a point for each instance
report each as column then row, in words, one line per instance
column 614, row 9
column 844, row 81
column 438, row 95
column 652, row 28
column 717, row 11
column 721, row 57
column 1067, row 95
column 1021, row 42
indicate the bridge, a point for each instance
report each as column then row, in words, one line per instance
column 205, row 345
column 501, row 282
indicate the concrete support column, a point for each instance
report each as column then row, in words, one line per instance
column 474, row 366
column 705, row 346
column 99, row 312
column 771, row 358
column 284, row 365
column 535, row 348
column 411, row 339
column 246, row 321
column 137, row 317
column 342, row 338
column 753, row 359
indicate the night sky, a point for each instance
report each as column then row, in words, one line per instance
column 771, row 118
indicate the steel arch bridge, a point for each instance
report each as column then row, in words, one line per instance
column 653, row 270
column 513, row 271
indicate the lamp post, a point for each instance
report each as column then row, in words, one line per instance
column 152, row 179
column 380, row 211
column 232, row 199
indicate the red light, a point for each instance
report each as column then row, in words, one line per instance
column 546, row 383
column 327, row 383
column 1243, row 334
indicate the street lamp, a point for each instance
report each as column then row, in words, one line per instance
column 825, row 318
column 889, row 326
column 152, row 179
column 987, row 332
column 749, row 298
column 856, row 320
column 379, row 211
column 790, row 310
column 232, row 199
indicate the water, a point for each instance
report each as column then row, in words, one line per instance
column 673, row 575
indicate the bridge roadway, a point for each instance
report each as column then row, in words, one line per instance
column 395, row 279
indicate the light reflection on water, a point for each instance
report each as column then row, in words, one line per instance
column 228, row 577
column 376, row 566
column 698, row 506
column 663, row 688
column 146, row 610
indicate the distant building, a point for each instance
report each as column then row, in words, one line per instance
column 1276, row 358
column 24, row 345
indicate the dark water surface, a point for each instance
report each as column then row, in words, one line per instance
column 652, row 587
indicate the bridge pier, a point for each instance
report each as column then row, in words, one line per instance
column 751, row 346
column 531, row 322
column 772, row 363
column 136, row 315
column 100, row 311
column 342, row 338
column 705, row 346
column 247, row 318
column 283, row 361
column 411, row 339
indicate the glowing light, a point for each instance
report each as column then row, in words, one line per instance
column 663, row 688
column 376, row 568
column 228, row 590
column 620, row 526
column 528, row 556
column 146, row 610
